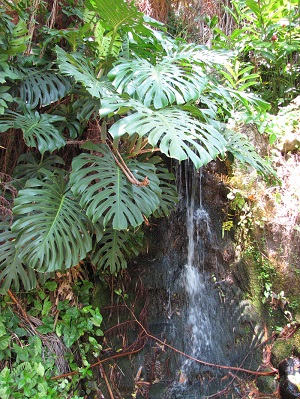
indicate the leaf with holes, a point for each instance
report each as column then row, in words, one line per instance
column 12, row 271
column 115, row 248
column 177, row 134
column 169, row 196
column 159, row 85
column 41, row 88
column 106, row 191
column 82, row 71
column 38, row 129
column 29, row 166
column 52, row 231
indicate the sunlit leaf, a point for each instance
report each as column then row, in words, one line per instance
column 175, row 132
column 159, row 85
column 79, row 67
column 106, row 192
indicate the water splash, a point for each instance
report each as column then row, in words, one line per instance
column 199, row 320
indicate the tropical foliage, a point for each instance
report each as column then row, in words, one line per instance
column 267, row 38
column 94, row 105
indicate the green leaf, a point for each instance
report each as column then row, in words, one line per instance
column 4, row 342
column 12, row 271
column 244, row 151
column 29, row 166
column 159, row 85
column 115, row 247
column 51, row 285
column 39, row 368
column 70, row 125
column 169, row 196
column 107, row 193
column 177, row 134
column 41, row 88
column 52, row 232
column 107, row 43
column 116, row 14
column 4, row 98
column 17, row 40
column 198, row 54
column 96, row 318
column 38, row 129
column 79, row 67
column 70, row 336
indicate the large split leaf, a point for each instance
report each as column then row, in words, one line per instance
column 175, row 132
column 106, row 191
column 157, row 85
column 17, row 39
column 38, row 129
column 12, row 271
column 30, row 165
column 117, row 13
column 52, row 231
column 115, row 247
column 79, row 67
column 42, row 87
column 5, row 98
column 198, row 54
column 169, row 195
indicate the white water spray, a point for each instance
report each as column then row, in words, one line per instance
column 199, row 311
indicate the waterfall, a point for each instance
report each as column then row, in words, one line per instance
column 201, row 305
column 210, row 321
column 194, row 303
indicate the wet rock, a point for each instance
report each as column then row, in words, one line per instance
column 289, row 372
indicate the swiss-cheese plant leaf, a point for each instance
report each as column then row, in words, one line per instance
column 115, row 248
column 169, row 195
column 41, row 88
column 80, row 68
column 177, row 134
column 158, row 85
column 12, row 271
column 38, row 129
column 117, row 13
column 30, row 166
column 106, row 192
column 52, row 231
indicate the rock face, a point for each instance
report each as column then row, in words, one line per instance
column 289, row 372
column 194, row 304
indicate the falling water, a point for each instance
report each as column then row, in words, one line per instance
column 209, row 324
column 201, row 303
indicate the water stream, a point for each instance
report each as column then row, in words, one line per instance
column 194, row 303
column 213, row 319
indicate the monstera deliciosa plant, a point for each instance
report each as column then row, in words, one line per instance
column 99, row 105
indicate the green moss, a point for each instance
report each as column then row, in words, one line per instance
column 284, row 348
